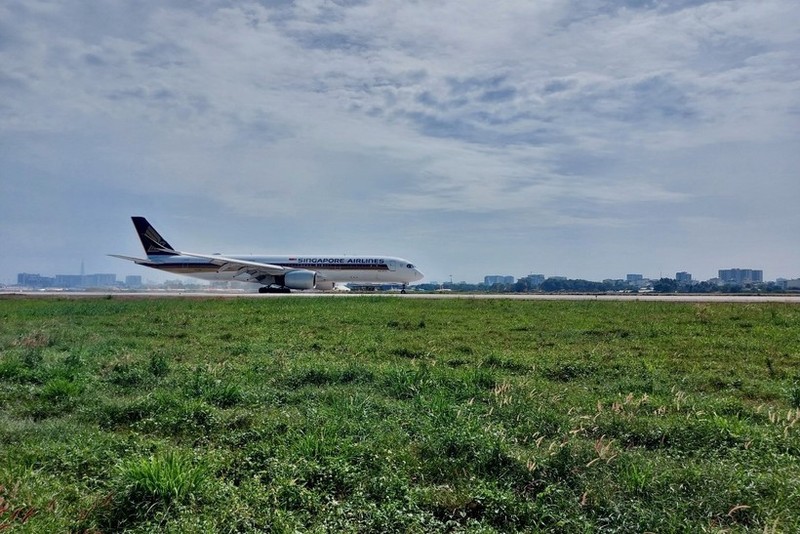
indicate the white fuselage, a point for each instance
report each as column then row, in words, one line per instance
column 329, row 268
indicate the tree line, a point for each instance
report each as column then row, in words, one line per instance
column 569, row 285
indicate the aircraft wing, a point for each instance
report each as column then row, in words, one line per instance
column 253, row 268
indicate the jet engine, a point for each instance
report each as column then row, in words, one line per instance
column 300, row 279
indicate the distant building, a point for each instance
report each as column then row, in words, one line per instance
column 34, row 280
column 534, row 280
column 493, row 279
column 69, row 281
column 100, row 280
column 73, row 281
column 637, row 281
column 741, row 276
column 133, row 281
column 789, row 284
column 683, row 277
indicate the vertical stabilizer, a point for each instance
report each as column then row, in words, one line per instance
column 153, row 243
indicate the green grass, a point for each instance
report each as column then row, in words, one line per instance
column 389, row 414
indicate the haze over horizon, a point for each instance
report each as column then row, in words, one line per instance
column 587, row 140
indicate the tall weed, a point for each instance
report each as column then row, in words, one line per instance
column 164, row 479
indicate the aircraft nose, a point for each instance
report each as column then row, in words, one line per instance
column 418, row 275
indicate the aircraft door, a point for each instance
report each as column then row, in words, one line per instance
column 392, row 265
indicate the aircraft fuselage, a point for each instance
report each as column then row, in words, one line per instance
column 337, row 269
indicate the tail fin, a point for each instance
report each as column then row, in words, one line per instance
column 153, row 243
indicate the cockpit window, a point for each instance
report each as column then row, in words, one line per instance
column 410, row 266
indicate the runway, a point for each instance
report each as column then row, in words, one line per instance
column 648, row 297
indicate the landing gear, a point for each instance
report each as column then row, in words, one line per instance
column 274, row 289
column 403, row 290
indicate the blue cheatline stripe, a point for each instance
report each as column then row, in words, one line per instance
column 189, row 267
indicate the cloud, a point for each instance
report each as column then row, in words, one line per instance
column 490, row 118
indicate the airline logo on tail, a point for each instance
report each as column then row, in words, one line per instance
column 152, row 241
column 156, row 244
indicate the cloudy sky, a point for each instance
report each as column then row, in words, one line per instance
column 563, row 137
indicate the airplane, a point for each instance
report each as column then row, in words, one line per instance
column 275, row 274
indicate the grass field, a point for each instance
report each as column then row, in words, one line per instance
column 391, row 414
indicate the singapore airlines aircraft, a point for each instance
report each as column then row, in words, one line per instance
column 274, row 273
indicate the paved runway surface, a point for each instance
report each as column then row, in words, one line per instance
column 743, row 299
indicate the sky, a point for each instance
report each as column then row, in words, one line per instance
column 561, row 137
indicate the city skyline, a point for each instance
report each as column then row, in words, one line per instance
column 156, row 277
column 735, row 275
column 584, row 139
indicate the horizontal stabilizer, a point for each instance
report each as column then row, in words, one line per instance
column 131, row 258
